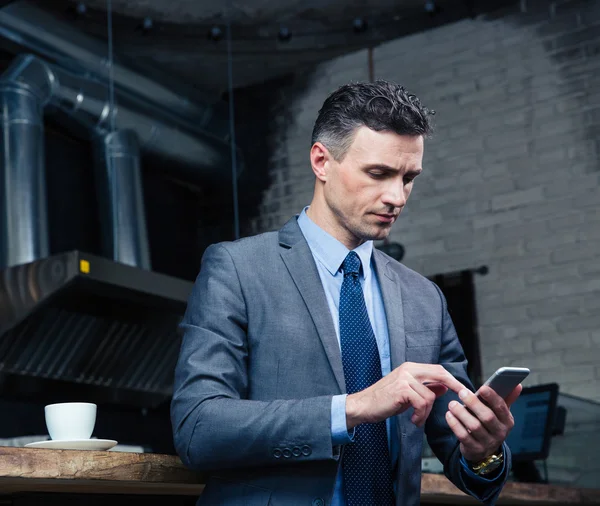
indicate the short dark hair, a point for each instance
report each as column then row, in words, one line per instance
column 380, row 106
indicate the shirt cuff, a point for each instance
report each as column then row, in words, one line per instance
column 339, row 429
column 482, row 479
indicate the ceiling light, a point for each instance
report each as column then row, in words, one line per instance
column 284, row 34
column 81, row 9
column 215, row 34
column 147, row 24
column 359, row 25
column 431, row 7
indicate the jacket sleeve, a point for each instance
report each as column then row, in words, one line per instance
column 215, row 425
column 440, row 437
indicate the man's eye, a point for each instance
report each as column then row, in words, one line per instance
column 377, row 175
column 408, row 180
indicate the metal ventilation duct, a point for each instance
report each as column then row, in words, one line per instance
column 27, row 86
column 167, row 123
column 31, row 27
column 23, row 214
column 121, row 200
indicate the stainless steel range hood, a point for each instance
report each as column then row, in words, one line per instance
column 106, row 323
column 92, row 322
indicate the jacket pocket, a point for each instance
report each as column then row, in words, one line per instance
column 423, row 346
column 228, row 493
column 419, row 338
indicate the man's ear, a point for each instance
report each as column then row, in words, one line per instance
column 320, row 160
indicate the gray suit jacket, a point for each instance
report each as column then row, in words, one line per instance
column 260, row 362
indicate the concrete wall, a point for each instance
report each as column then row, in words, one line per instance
column 511, row 179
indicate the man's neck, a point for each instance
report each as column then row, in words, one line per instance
column 324, row 218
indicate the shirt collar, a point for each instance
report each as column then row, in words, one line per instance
column 329, row 250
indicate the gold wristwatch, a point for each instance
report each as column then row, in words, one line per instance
column 489, row 464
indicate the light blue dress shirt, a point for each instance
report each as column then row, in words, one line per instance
column 329, row 253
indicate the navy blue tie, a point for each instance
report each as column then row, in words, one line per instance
column 366, row 462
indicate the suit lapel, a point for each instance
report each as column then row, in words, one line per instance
column 301, row 266
column 391, row 291
column 389, row 283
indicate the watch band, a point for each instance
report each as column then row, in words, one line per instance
column 488, row 464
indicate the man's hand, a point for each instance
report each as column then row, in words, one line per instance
column 409, row 385
column 483, row 427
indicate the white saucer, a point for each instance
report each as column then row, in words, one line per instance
column 75, row 444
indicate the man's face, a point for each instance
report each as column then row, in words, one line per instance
column 368, row 189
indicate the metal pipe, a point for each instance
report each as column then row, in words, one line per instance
column 31, row 27
column 23, row 214
column 86, row 100
column 26, row 87
column 120, row 196
column 194, row 133
column 164, row 123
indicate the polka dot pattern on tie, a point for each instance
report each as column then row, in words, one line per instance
column 366, row 462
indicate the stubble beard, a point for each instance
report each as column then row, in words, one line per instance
column 360, row 228
column 370, row 232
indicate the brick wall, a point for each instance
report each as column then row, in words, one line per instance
column 511, row 180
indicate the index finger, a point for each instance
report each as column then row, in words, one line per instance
column 514, row 395
column 432, row 373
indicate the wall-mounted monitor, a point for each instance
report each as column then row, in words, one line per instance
column 534, row 413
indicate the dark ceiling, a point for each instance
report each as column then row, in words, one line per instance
column 250, row 12
column 176, row 35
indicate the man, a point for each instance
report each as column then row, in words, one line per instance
column 310, row 363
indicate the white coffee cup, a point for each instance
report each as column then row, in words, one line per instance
column 70, row 420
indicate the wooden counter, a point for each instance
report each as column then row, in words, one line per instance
column 437, row 489
column 36, row 470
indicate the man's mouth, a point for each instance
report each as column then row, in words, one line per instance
column 386, row 218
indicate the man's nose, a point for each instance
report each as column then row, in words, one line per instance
column 394, row 197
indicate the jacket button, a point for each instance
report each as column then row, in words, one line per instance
column 296, row 451
column 318, row 502
column 306, row 451
column 287, row 453
column 277, row 453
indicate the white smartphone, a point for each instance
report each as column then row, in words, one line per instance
column 505, row 379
